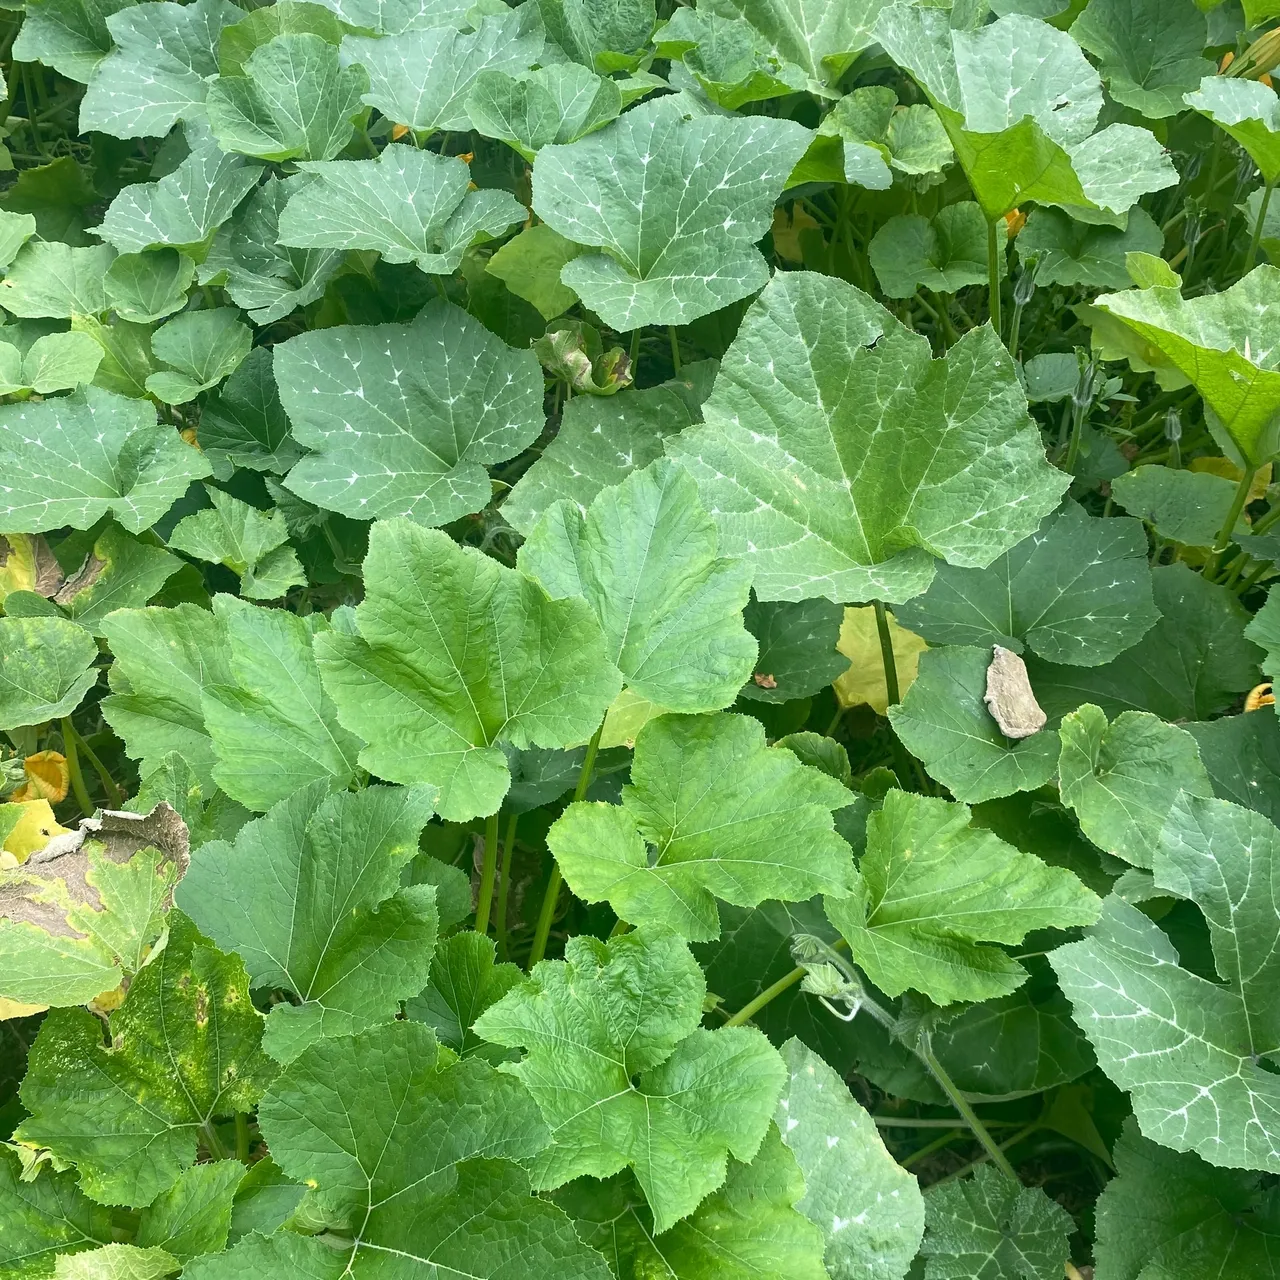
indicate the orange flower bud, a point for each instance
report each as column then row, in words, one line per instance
column 1014, row 221
column 398, row 131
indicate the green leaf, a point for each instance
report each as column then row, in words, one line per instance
column 748, row 1228
column 605, row 35
column 184, row 208
column 253, row 544
column 194, row 1215
column 54, row 362
column 1074, row 253
column 175, row 782
column 46, row 668
column 15, row 230
column 625, row 1078
column 1190, row 666
column 1149, row 51
column 813, row 456
column 943, row 254
column 1187, row 1049
column 273, row 729
column 70, row 36
column 1021, row 104
column 201, row 348
column 117, row 1262
column 1264, row 630
column 1185, row 506
column 126, row 354
column 727, row 816
column 266, row 278
column 287, row 17
column 600, row 443
column 988, row 1227
column 1242, row 757
column 644, row 557
column 293, row 102
column 454, row 655
column 798, row 655
column 163, row 660
column 391, row 17
column 465, row 981
column 869, row 1209
column 184, row 1050
column 144, row 287
column 44, row 1215
column 310, row 897
column 1122, row 778
column 49, row 278
column 1222, row 343
column 1248, row 112
column 677, row 203
column 416, row 1159
column 243, row 423
column 529, row 265
column 404, row 418
column 943, row 721
column 407, row 205
column 931, row 889
column 422, row 78
column 1078, row 591
column 1168, row 1215
column 556, row 104
column 159, row 71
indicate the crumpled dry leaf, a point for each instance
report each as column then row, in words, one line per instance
column 1009, row 696
column 27, row 564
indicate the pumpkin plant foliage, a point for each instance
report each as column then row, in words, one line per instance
column 636, row 638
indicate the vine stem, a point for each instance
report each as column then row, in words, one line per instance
column 1223, row 540
column 108, row 782
column 212, row 1141
column 993, row 274
column 504, row 883
column 675, row 347
column 242, row 1137
column 552, row 896
column 750, row 1009
column 78, row 788
column 1256, row 239
column 488, row 870
column 886, row 654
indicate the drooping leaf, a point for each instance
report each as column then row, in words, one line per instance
column 15, row 230
column 54, row 362
column 1167, row 1215
column 931, row 889
column 944, row 253
column 81, row 914
column 44, row 1216
column 1185, row 506
column 1149, row 51
column 529, row 265
column 1248, row 112
column 644, row 557
column 70, row 36
column 412, row 412
column 408, row 205
column 46, row 668
column 1187, row 1049
column 749, row 1227
column 292, row 102
column 1077, row 591
column 454, row 655
column 1075, row 253
column 417, row 1159
column 273, row 729
column 253, row 544
column 798, row 649
column 727, row 817
column 184, row 1050
column 243, row 424
column 194, row 1215
column 1122, row 778
column 812, row 453
column 159, row 71
column 1223, row 343
column 624, row 1077
column 288, row 17
column 422, row 77
column 145, row 287
column 869, row 1209
column 310, row 898
column 677, row 205
column 49, row 278
column 600, row 443
column 987, row 1227
column 200, row 348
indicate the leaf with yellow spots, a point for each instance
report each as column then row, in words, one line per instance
column 184, row 1050
column 859, row 641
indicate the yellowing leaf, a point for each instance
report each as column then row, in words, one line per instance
column 16, row 1009
column 860, row 643
column 34, row 828
column 627, row 715
column 1228, row 470
column 47, row 778
column 787, row 229
column 27, row 564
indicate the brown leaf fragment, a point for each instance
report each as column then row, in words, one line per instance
column 1009, row 696
column 765, row 681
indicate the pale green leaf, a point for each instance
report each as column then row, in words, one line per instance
column 455, row 655
column 70, row 36
column 194, row 1215
column 46, row 668
column 117, row 1262
column 529, row 265
column 1246, row 110
column 644, row 557
column 45, row 1216
column 391, row 17
column 677, row 203
column 60, row 362
column 407, row 205
column 814, row 457
column 310, row 898
column 126, row 354
column 932, row 889
column 144, row 287
column 605, row 35
column 287, row 17
column 559, row 103
column 943, row 254
column 49, row 278
column 184, row 1050
column 1184, row 506
column 200, row 348
column 15, row 230
column 403, row 418
column 623, row 1075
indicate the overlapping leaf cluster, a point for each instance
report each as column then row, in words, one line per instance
column 635, row 639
